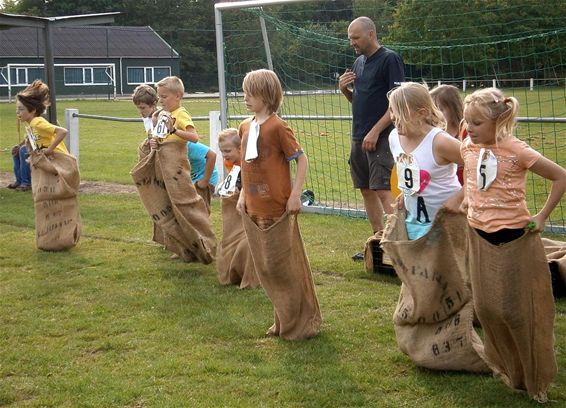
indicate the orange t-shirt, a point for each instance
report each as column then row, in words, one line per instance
column 266, row 180
column 503, row 204
column 229, row 165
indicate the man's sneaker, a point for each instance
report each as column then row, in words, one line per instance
column 358, row 257
column 13, row 185
column 23, row 187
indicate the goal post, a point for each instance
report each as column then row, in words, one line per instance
column 305, row 42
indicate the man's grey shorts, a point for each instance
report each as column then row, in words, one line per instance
column 371, row 170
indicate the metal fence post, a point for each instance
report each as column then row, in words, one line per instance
column 215, row 126
column 72, row 139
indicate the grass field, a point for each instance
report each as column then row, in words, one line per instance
column 115, row 323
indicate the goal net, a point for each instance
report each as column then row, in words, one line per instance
column 518, row 47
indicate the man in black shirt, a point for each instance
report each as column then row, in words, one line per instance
column 376, row 71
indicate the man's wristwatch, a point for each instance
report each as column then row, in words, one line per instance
column 171, row 132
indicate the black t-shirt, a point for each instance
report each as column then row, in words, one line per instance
column 375, row 76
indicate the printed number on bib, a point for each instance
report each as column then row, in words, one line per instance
column 161, row 130
column 487, row 169
column 408, row 174
column 31, row 139
column 228, row 186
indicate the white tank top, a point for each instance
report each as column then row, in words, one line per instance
column 425, row 184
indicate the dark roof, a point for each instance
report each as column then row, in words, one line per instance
column 86, row 41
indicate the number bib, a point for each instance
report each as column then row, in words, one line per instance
column 161, row 130
column 31, row 139
column 408, row 174
column 228, row 186
column 487, row 169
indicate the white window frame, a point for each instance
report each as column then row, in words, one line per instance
column 89, row 68
column 22, row 74
column 148, row 74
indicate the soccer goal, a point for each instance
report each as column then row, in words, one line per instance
column 441, row 41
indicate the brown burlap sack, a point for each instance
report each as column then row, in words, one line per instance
column 556, row 251
column 55, row 183
column 234, row 261
column 514, row 303
column 181, row 223
column 284, row 272
column 206, row 195
column 434, row 315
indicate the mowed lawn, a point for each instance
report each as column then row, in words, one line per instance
column 115, row 322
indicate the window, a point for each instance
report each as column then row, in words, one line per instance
column 88, row 75
column 147, row 75
column 19, row 75
column 3, row 76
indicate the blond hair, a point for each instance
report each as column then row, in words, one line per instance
column 172, row 84
column 229, row 135
column 449, row 97
column 35, row 97
column 264, row 84
column 492, row 104
column 145, row 94
column 410, row 97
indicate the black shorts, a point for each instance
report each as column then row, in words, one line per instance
column 371, row 170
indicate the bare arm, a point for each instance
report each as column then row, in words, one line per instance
column 346, row 79
column 446, row 149
column 370, row 140
column 188, row 134
column 294, row 202
column 60, row 134
column 551, row 171
column 208, row 169
column 241, row 204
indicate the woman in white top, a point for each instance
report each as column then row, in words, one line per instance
column 426, row 157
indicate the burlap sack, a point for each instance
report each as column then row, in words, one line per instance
column 284, row 272
column 556, row 251
column 55, row 183
column 514, row 303
column 434, row 315
column 234, row 261
column 181, row 223
column 206, row 195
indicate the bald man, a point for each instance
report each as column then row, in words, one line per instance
column 376, row 71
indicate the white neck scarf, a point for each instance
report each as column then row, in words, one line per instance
column 253, row 138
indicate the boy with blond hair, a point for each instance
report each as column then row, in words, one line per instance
column 163, row 179
column 269, row 202
column 180, row 126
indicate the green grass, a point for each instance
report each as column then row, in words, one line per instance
column 115, row 323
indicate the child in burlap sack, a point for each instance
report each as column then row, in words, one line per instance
column 433, row 317
column 163, row 179
column 426, row 157
column 145, row 98
column 269, row 203
column 54, row 172
column 509, row 271
column 234, row 261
